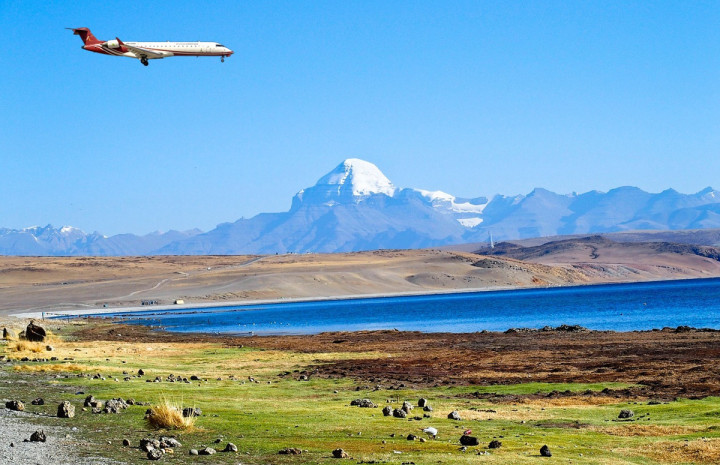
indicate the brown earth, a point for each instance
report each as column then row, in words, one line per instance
column 663, row 364
column 74, row 283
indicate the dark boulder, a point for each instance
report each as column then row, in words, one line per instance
column 230, row 447
column 340, row 454
column 411, row 437
column 66, row 410
column 38, row 401
column 467, row 440
column 148, row 444
column 169, row 443
column 207, row 451
column 16, row 405
column 38, row 436
column 35, row 333
column 625, row 413
column 545, row 451
column 422, row 402
column 364, row 403
column 387, row 410
column 191, row 412
column 154, row 454
column 454, row 415
column 495, row 444
column 399, row 413
column 9, row 334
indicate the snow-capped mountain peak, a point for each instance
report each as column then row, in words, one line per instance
column 360, row 177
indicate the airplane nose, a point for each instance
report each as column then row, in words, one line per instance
column 230, row 52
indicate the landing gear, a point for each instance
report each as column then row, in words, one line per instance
column 222, row 59
column 144, row 61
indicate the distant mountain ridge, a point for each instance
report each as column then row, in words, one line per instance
column 356, row 207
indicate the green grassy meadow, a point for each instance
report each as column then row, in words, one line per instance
column 276, row 412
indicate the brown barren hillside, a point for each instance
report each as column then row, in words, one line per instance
column 63, row 283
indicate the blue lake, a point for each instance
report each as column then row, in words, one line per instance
column 620, row 307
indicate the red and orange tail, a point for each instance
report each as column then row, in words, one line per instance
column 87, row 37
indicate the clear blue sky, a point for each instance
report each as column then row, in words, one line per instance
column 472, row 98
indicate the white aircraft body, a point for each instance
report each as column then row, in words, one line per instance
column 145, row 51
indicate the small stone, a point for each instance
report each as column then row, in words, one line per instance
column 194, row 452
column 411, row 437
column 207, row 451
column 467, row 440
column 427, row 408
column 141, row 372
column 399, row 413
column 66, row 410
column 230, row 447
column 407, row 406
column 38, row 401
column 191, row 412
column 126, row 443
column 625, row 413
column 545, row 451
column 387, row 410
column 290, row 451
column 38, row 436
column 49, row 348
column 154, row 454
column 422, row 402
column 340, row 454
column 16, row 405
column 364, row 403
column 454, row 415
column 495, row 444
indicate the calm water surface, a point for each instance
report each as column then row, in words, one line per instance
column 621, row 307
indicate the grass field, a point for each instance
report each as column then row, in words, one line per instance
column 266, row 408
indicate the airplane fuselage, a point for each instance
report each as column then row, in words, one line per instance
column 145, row 51
column 165, row 49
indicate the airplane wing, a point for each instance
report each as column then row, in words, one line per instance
column 140, row 52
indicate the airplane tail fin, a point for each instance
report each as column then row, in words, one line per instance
column 87, row 37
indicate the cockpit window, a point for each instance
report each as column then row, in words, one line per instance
column 218, row 45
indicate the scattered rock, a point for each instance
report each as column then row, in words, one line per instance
column 16, row 405
column 495, row 444
column 115, row 406
column 207, row 451
column 194, row 378
column 625, row 413
column 154, row 454
column 407, row 406
column 454, row 415
column 545, row 451
column 35, row 333
column 387, row 410
column 340, row 454
column 38, row 401
column 38, row 436
column 411, row 437
column 191, row 412
column 427, row 408
column 148, row 444
column 9, row 334
column 49, row 348
column 422, row 402
column 169, row 443
column 141, row 372
column 467, row 440
column 364, row 403
column 126, row 443
column 66, row 410
column 230, row 447
column 89, row 402
column 194, row 452
column 290, row 451
column 399, row 413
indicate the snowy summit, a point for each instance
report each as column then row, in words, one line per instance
column 360, row 177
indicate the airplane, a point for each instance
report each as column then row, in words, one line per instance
column 145, row 51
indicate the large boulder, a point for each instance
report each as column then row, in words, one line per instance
column 545, row 451
column 625, row 413
column 467, row 440
column 38, row 436
column 454, row 415
column 16, row 405
column 422, row 402
column 399, row 413
column 495, row 444
column 66, row 410
column 365, row 403
column 387, row 410
column 340, row 454
column 35, row 333
column 407, row 406
column 115, row 406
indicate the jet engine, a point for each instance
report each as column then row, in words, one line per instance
column 112, row 44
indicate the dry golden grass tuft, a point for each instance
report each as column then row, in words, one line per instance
column 648, row 430
column 570, row 401
column 168, row 415
column 697, row 451
column 54, row 368
column 26, row 346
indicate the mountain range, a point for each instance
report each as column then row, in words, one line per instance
column 356, row 207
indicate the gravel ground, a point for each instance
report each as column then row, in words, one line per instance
column 59, row 449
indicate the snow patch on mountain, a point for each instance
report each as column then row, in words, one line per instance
column 470, row 222
column 360, row 177
column 445, row 201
